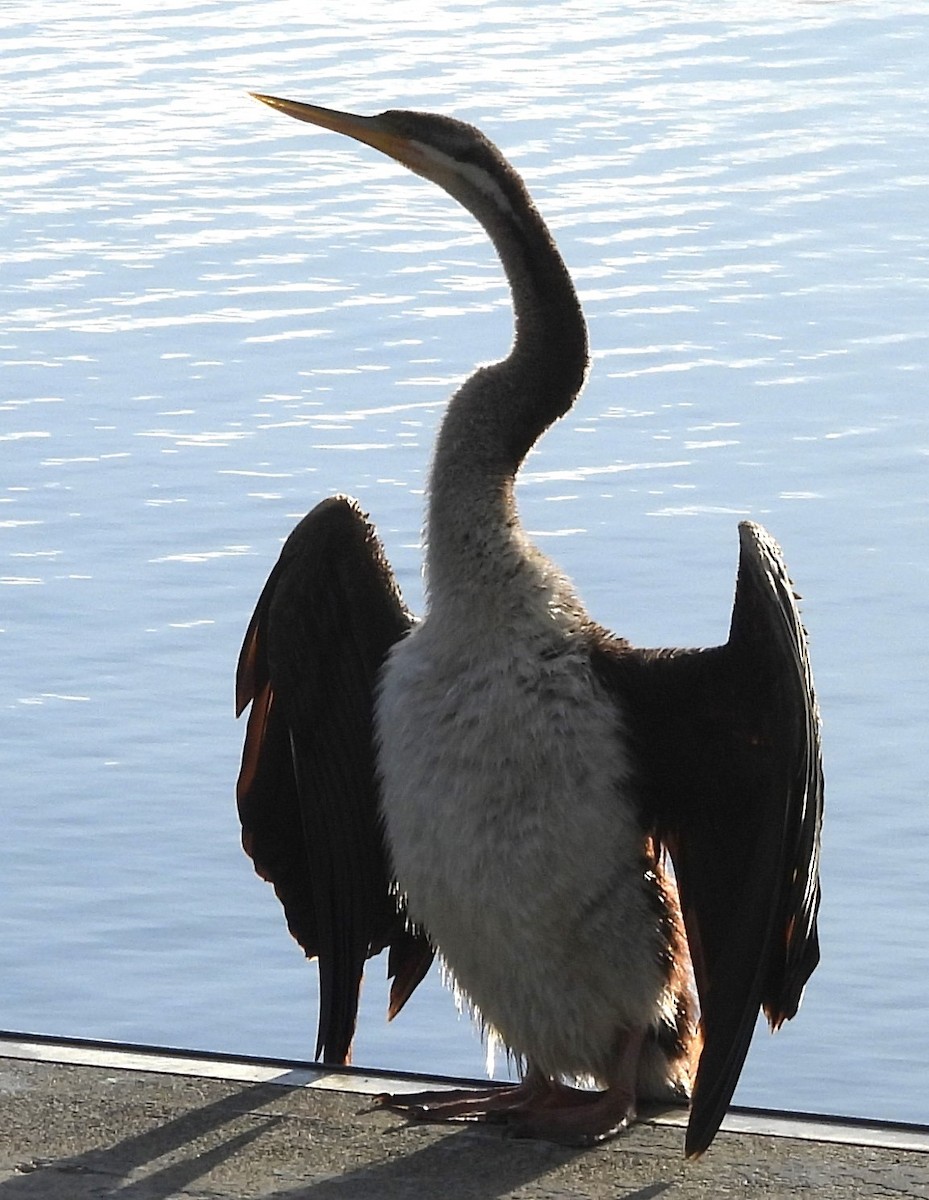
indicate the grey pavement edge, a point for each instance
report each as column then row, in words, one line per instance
column 82, row 1120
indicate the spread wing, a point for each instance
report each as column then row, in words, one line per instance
column 728, row 748
column 307, row 791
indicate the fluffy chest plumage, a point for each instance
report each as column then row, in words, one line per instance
column 514, row 837
column 498, row 743
column 503, row 775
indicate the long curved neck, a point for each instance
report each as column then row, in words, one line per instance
column 497, row 415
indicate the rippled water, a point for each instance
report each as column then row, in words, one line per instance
column 211, row 317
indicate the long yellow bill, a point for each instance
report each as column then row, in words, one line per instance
column 373, row 131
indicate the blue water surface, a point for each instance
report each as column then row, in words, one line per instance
column 211, row 317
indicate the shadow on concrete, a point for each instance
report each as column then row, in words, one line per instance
column 464, row 1164
column 86, row 1174
column 467, row 1163
column 457, row 1168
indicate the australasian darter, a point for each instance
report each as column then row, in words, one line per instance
column 502, row 780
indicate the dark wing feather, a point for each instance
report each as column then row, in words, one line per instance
column 728, row 753
column 307, row 791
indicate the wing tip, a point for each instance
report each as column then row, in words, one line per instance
column 755, row 538
column 705, row 1121
column 702, row 1129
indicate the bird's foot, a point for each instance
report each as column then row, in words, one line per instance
column 460, row 1104
column 572, row 1117
column 536, row 1108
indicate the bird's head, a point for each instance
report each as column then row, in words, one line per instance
column 450, row 153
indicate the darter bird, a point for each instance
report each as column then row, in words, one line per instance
column 503, row 781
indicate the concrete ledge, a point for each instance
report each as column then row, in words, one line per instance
column 86, row 1119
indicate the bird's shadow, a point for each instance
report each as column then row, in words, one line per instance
column 117, row 1162
column 475, row 1163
